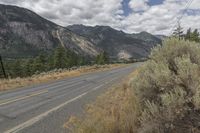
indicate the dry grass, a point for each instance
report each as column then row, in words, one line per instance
column 50, row 76
column 115, row 111
column 163, row 97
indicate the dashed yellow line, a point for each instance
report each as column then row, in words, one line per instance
column 8, row 101
column 45, row 114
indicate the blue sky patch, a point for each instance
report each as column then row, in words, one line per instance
column 192, row 12
column 126, row 8
column 155, row 2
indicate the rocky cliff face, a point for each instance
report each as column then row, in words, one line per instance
column 23, row 33
column 117, row 44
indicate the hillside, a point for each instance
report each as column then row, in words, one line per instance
column 24, row 33
column 118, row 44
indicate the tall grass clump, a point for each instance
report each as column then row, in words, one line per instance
column 168, row 89
column 115, row 111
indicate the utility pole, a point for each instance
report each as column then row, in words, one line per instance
column 2, row 66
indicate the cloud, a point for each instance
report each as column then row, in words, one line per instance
column 156, row 19
column 65, row 12
column 139, row 5
column 160, row 19
column 84, row 11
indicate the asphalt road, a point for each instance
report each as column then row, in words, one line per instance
column 44, row 108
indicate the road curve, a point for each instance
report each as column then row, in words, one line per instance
column 44, row 108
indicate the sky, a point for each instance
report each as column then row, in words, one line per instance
column 132, row 16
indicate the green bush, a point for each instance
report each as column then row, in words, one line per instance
column 168, row 88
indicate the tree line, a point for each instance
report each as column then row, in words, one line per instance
column 60, row 58
column 191, row 35
column 102, row 58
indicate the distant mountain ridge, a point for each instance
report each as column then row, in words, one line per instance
column 162, row 37
column 118, row 44
column 23, row 33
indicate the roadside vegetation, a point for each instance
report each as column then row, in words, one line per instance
column 26, row 67
column 56, row 74
column 115, row 111
column 48, row 67
column 163, row 96
column 191, row 35
column 168, row 87
column 59, row 59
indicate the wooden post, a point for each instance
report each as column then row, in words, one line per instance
column 2, row 66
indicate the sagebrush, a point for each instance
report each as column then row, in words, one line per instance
column 168, row 88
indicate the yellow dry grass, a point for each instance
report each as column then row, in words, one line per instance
column 50, row 76
column 115, row 111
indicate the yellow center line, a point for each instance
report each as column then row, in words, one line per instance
column 8, row 101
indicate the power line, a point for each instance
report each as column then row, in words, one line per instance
column 181, row 15
column 188, row 4
column 186, row 8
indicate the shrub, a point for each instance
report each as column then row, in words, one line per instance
column 168, row 89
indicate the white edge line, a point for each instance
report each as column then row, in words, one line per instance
column 41, row 116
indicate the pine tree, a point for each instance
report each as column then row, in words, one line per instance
column 106, row 58
column 188, row 34
column 60, row 59
column 16, row 69
column 42, row 63
column 178, row 32
column 28, row 68
column 102, row 58
column 39, row 63
column 82, row 61
column 71, row 59
column 50, row 62
column 192, row 36
column 195, row 36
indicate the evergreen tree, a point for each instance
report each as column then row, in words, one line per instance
column 71, row 59
column 192, row 36
column 8, row 68
column 195, row 36
column 16, row 69
column 102, row 58
column 28, row 67
column 82, row 61
column 39, row 63
column 178, row 32
column 188, row 34
column 43, row 62
column 98, row 59
column 106, row 57
column 50, row 62
column 60, row 59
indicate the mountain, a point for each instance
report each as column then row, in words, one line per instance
column 162, row 37
column 23, row 33
column 118, row 44
column 147, row 37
